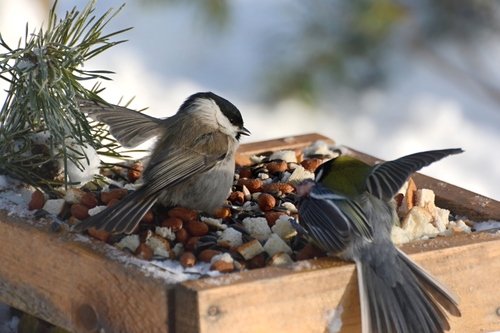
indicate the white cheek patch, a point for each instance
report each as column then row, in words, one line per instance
column 209, row 112
column 206, row 109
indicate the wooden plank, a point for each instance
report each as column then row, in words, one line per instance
column 301, row 297
column 266, row 300
column 77, row 285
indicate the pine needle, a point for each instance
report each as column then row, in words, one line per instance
column 45, row 74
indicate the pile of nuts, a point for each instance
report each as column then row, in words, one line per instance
column 253, row 229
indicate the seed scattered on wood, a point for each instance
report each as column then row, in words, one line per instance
column 173, row 223
column 266, row 202
column 37, row 200
column 187, row 259
column 197, row 228
column 118, row 193
column 184, row 214
column 253, row 185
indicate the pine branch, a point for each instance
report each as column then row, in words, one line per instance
column 45, row 76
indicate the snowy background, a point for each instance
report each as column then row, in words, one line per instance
column 171, row 53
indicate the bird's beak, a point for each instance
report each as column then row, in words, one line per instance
column 244, row 131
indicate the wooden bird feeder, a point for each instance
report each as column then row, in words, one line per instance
column 84, row 285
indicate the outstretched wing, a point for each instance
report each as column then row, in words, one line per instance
column 331, row 219
column 129, row 127
column 386, row 178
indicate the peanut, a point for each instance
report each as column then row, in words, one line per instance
column 37, row 200
column 187, row 259
column 266, row 202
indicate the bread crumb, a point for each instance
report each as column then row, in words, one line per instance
column 250, row 249
column 130, row 242
column 257, row 227
column 285, row 155
column 213, row 222
column 300, row 174
column 226, row 257
column 283, row 228
column 54, row 206
column 230, row 237
column 159, row 246
column 399, row 236
column 280, row 259
column 417, row 223
column 276, row 245
column 165, row 232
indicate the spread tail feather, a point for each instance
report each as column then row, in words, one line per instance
column 445, row 297
column 411, row 302
column 122, row 217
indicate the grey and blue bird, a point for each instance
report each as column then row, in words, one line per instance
column 349, row 211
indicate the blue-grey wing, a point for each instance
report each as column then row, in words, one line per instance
column 387, row 178
column 332, row 219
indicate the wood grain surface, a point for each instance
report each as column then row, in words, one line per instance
column 302, row 298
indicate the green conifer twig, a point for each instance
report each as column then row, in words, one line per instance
column 45, row 75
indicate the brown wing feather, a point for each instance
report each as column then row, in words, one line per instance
column 129, row 127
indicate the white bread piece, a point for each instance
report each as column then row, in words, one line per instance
column 165, row 232
column 226, row 257
column 459, row 227
column 441, row 218
column 275, row 245
column 54, row 206
column 425, row 198
column 159, row 245
column 283, row 227
column 300, row 174
column 399, row 235
column 250, row 249
column 230, row 237
column 279, row 259
column 285, row 155
column 213, row 222
column 130, row 242
column 418, row 223
column 257, row 227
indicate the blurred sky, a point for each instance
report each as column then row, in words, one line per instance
column 172, row 53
